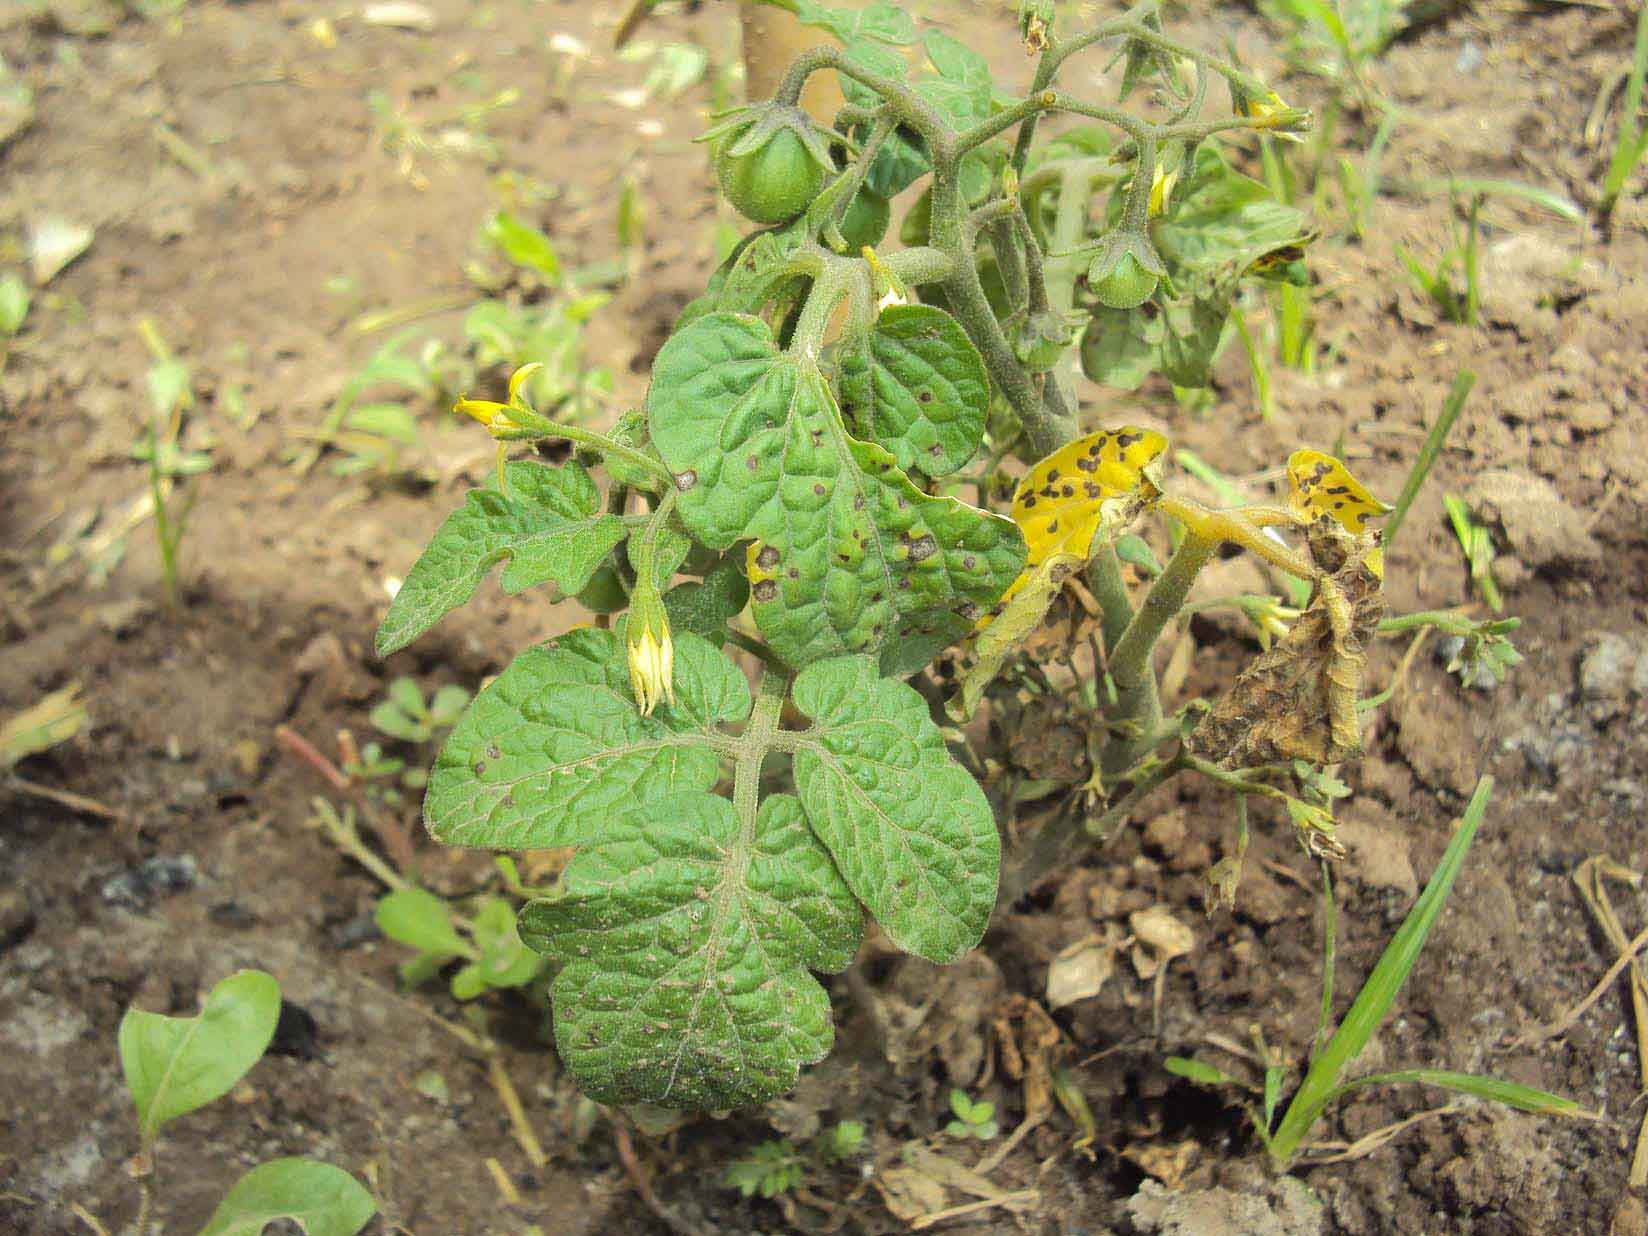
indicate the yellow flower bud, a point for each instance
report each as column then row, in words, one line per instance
column 1269, row 107
column 651, row 653
column 1161, row 190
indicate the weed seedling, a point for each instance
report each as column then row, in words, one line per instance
column 175, row 1065
column 975, row 1120
column 1325, row 1082
column 1477, row 543
column 1632, row 143
column 171, row 466
column 771, row 1169
column 787, row 507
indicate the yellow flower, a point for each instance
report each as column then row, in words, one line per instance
column 1161, row 190
column 651, row 652
column 495, row 416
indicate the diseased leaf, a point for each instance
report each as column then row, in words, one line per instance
column 685, row 946
column 323, row 1200
column 1223, row 221
column 1320, row 487
column 850, row 554
column 548, row 526
column 555, row 744
column 910, row 830
column 175, row 1064
column 1297, row 700
column 1067, row 497
column 918, row 388
column 1020, row 613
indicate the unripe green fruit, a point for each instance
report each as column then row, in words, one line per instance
column 773, row 184
column 1127, row 286
column 866, row 220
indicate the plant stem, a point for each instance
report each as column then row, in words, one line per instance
column 1140, row 706
column 538, row 426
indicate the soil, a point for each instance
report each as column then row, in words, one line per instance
column 242, row 196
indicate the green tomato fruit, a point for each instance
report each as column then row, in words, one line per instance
column 773, row 184
column 1127, row 286
column 866, row 220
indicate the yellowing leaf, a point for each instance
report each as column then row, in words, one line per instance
column 1008, row 623
column 1320, row 487
column 55, row 719
column 1065, row 498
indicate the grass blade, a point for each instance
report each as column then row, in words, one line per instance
column 1428, row 452
column 1523, row 1098
column 1633, row 138
column 1374, row 1001
column 1556, row 203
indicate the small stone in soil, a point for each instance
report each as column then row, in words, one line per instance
column 164, row 875
column 296, row 1033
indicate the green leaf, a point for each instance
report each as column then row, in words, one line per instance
column 705, row 608
column 1194, row 334
column 685, row 944
column 419, row 919
column 1198, row 1071
column 919, row 389
column 1512, row 1094
column 852, row 554
column 322, row 1199
column 760, row 275
column 1120, row 347
column 909, row 828
column 963, row 87
column 880, row 22
column 549, row 526
column 555, row 744
column 524, row 245
column 14, row 303
column 449, row 701
column 175, row 1064
column 388, row 717
column 1225, row 222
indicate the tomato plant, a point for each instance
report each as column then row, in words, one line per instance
column 791, row 493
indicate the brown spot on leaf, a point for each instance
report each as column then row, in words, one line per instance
column 765, row 590
column 767, row 559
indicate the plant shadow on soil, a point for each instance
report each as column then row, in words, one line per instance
column 211, row 867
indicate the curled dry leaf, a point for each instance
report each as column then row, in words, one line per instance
column 1081, row 970
column 1298, row 699
column 1161, row 938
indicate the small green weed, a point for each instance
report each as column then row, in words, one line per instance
column 773, row 1168
column 175, row 1065
column 974, row 1119
column 172, row 466
column 1324, row 1082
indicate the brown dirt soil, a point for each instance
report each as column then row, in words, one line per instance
column 211, row 866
